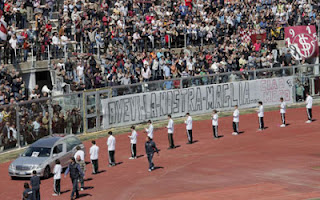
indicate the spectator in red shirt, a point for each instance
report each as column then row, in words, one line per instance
column 49, row 27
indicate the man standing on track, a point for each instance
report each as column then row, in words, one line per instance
column 75, row 172
column 170, row 128
column 79, row 157
column 188, row 123
column 309, row 107
column 94, row 155
column 260, row 112
column 133, row 142
column 283, row 107
column 111, row 148
column 150, row 149
column 235, row 122
column 35, row 184
column 149, row 130
column 215, row 124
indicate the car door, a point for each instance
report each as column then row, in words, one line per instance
column 65, row 157
column 57, row 153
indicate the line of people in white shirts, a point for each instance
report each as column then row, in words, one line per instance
column 260, row 112
column 111, row 142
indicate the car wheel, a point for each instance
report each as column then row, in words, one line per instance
column 46, row 173
column 14, row 178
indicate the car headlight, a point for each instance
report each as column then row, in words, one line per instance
column 11, row 166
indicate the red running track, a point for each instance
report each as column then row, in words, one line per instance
column 278, row 163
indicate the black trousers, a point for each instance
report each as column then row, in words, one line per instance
column 133, row 150
column 309, row 112
column 36, row 194
column 235, row 126
column 57, row 186
column 150, row 156
column 111, row 158
column 283, row 118
column 189, row 135
column 170, row 138
column 215, row 131
column 94, row 166
column 261, row 123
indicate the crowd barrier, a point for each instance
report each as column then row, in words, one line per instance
column 95, row 110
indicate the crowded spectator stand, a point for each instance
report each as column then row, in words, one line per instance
column 97, row 44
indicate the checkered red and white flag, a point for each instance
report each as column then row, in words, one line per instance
column 3, row 27
column 245, row 35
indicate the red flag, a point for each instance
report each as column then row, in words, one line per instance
column 302, row 41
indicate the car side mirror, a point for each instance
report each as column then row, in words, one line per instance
column 54, row 155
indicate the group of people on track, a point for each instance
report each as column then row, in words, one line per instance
column 76, row 168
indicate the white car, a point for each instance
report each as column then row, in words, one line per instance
column 41, row 156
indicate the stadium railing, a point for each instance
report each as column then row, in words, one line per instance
column 81, row 112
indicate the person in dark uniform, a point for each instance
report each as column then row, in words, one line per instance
column 150, row 149
column 27, row 193
column 75, row 173
column 35, row 184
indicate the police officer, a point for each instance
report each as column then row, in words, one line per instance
column 27, row 193
column 35, row 184
column 150, row 149
column 75, row 172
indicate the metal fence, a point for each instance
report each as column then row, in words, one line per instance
column 81, row 112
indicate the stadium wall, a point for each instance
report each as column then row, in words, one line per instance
column 156, row 105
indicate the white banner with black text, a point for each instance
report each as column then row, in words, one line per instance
column 156, row 105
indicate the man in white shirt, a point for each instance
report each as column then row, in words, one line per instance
column 283, row 112
column 188, row 123
column 133, row 142
column 215, row 124
column 235, row 123
column 57, row 178
column 149, row 130
column 309, row 107
column 80, row 153
column 260, row 112
column 170, row 128
column 94, row 155
column 79, row 157
column 111, row 148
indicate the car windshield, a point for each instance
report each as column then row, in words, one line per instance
column 37, row 152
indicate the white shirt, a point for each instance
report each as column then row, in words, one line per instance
column 57, row 171
column 79, row 153
column 133, row 137
column 283, row 107
column 215, row 119
column 260, row 111
column 111, row 143
column 150, row 131
column 94, row 152
column 236, row 114
column 80, row 69
column 55, row 40
column 13, row 43
column 170, row 126
column 64, row 40
column 309, row 102
column 188, row 122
